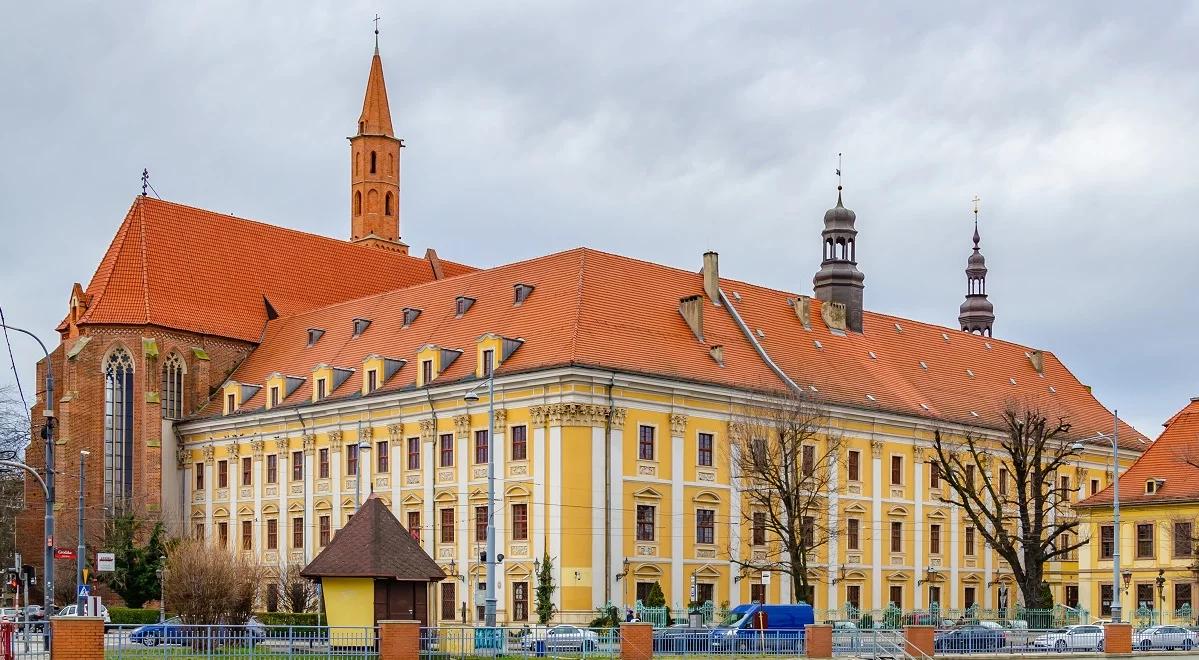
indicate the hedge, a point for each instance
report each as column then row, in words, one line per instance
column 287, row 618
column 130, row 616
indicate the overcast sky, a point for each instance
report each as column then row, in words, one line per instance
column 658, row 131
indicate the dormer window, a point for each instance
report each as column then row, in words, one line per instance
column 426, row 371
column 523, row 291
column 410, row 314
column 1154, row 485
column 463, row 304
column 314, row 335
column 274, row 396
column 372, row 381
column 321, row 388
column 231, row 402
column 488, row 362
column 360, row 326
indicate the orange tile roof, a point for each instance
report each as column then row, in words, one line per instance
column 591, row 308
column 185, row 268
column 1167, row 458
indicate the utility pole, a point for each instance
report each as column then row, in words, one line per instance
column 48, row 436
column 80, row 548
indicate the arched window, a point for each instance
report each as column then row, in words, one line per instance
column 372, row 201
column 357, row 163
column 391, row 164
column 373, row 159
column 387, row 204
column 358, row 203
column 118, row 430
column 172, row 387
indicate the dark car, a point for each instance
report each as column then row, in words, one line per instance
column 969, row 639
column 173, row 631
column 682, row 638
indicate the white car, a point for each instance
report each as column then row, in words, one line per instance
column 1165, row 637
column 561, row 638
column 1073, row 638
column 9, row 614
column 70, row 610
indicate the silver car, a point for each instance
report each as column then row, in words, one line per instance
column 1165, row 637
column 561, row 638
column 1073, row 638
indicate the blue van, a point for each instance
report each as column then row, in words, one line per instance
column 761, row 628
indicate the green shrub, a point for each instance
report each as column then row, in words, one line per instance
column 287, row 618
column 132, row 616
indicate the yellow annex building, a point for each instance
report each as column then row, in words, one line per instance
column 1159, row 508
column 618, row 384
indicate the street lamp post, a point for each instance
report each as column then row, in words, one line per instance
column 364, row 448
column 48, row 484
column 1116, row 609
column 489, row 595
column 80, row 548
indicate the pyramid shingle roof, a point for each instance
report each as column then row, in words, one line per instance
column 374, row 544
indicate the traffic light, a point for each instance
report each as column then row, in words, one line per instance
column 11, row 579
column 29, row 572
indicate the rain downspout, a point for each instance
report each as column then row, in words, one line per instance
column 608, row 495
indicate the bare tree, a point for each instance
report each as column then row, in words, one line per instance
column 784, row 455
column 206, row 584
column 296, row 593
column 1011, row 491
column 14, row 436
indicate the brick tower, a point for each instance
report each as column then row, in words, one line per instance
column 375, row 169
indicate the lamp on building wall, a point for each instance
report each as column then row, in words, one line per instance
column 454, row 572
column 1161, row 592
column 931, row 574
column 841, row 572
column 742, row 574
column 1127, row 575
column 625, row 570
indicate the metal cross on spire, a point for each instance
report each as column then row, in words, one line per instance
column 976, row 200
column 838, row 170
column 145, row 180
column 376, row 32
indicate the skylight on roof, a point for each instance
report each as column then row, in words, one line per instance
column 813, row 388
column 1052, row 390
column 898, row 328
column 923, row 365
column 761, row 334
column 314, row 335
column 817, row 343
column 944, row 336
column 987, row 344
column 873, row 356
column 1012, row 381
column 973, row 414
column 870, row 397
column 737, row 296
column 970, row 373
column 924, row 405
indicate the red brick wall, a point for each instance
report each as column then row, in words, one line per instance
column 81, row 426
column 818, row 640
column 77, row 638
column 399, row 640
column 636, row 641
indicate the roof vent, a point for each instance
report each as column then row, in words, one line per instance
column 692, row 309
column 973, row 414
column 761, row 333
column 410, row 314
column 873, row 356
column 923, row 365
column 803, row 311
column 898, row 328
column 817, row 343
column 314, row 335
column 870, row 397
column 360, row 326
column 924, row 405
column 970, row 373
column 944, row 336
column 522, row 293
column 813, row 388
column 717, row 353
column 1012, row 381
column 1038, row 361
column 462, row 305
column 1052, row 390
column 834, row 315
column 987, row 344
column 737, row 296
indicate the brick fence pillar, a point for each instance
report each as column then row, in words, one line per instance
column 77, row 638
column 818, row 640
column 636, row 641
column 918, row 640
column 1117, row 638
column 399, row 640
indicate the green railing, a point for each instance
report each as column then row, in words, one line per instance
column 892, row 617
column 664, row 616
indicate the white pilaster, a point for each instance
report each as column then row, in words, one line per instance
column 337, row 477
column 428, row 517
column 598, row 542
column 679, row 591
column 617, row 533
column 259, row 479
column 955, row 545
column 555, row 459
column 834, row 526
column 496, row 444
column 877, row 535
column 209, row 489
column 310, row 528
column 919, row 561
column 736, row 524
column 539, row 460
column 284, row 524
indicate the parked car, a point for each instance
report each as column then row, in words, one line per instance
column 70, row 610
column 9, row 614
column 970, row 638
column 560, row 638
column 756, row 627
column 1165, row 637
column 682, row 638
column 173, row 631
column 1072, row 638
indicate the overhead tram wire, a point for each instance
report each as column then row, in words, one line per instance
column 13, row 361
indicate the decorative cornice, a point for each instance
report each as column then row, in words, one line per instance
column 876, row 448
column 428, row 428
column 335, row 442
column 209, row 454
column 918, row 452
column 539, row 414
column 234, row 450
column 461, row 425
column 501, row 419
column 182, row 456
column 258, row 446
column 395, row 433
column 678, row 424
column 309, row 444
column 618, row 417
column 366, row 433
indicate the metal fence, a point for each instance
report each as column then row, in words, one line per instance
column 177, row 640
column 999, row 640
column 894, row 618
column 26, row 640
column 662, row 617
column 528, row 641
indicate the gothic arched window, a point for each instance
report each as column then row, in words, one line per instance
column 172, row 387
column 387, row 204
column 358, row 203
column 118, row 429
column 373, row 158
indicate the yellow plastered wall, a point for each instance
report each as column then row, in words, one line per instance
column 349, row 602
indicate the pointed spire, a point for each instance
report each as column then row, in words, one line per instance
column 976, row 314
column 376, row 115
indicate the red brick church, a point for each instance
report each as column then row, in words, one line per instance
column 170, row 312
